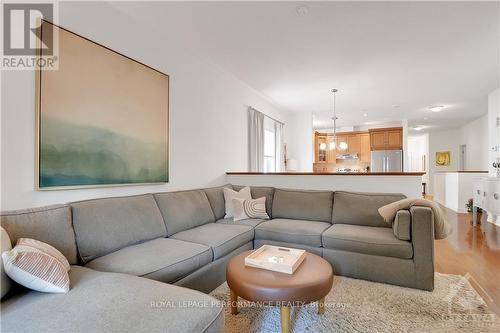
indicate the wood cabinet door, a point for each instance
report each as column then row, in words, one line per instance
column 354, row 144
column 395, row 139
column 320, row 148
column 330, row 151
column 340, row 139
column 364, row 154
column 378, row 140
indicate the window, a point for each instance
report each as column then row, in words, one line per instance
column 269, row 151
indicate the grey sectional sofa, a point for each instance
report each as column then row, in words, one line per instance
column 131, row 256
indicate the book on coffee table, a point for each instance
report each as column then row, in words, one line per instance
column 276, row 258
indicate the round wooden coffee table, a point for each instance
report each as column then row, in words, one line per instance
column 311, row 282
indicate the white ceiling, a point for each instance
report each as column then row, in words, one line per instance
column 390, row 60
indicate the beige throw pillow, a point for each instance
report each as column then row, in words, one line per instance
column 37, row 266
column 230, row 194
column 244, row 209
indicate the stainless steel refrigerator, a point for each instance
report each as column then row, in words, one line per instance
column 387, row 161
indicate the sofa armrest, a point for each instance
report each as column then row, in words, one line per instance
column 422, row 238
column 402, row 225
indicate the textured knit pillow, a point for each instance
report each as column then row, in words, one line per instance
column 244, row 209
column 44, row 247
column 230, row 194
column 30, row 264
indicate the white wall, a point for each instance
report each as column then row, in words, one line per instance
column 299, row 140
column 418, row 146
column 442, row 141
column 493, row 129
column 207, row 109
column 474, row 135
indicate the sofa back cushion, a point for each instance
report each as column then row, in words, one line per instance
column 50, row 224
column 184, row 210
column 303, row 205
column 106, row 225
column 5, row 245
column 361, row 208
column 215, row 196
column 259, row 192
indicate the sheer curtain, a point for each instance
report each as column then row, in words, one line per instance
column 256, row 140
column 280, row 158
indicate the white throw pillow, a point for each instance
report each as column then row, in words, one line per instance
column 245, row 209
column 230, row 194
column 29, row 265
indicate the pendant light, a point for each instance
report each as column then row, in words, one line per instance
column 333, row 143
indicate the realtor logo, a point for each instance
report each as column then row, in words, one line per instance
column 22, row 28
column 24, row 44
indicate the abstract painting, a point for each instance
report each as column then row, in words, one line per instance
column 102, row 118
column 443, row 158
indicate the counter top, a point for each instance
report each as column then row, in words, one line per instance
column 461, row 171
column 327, row 173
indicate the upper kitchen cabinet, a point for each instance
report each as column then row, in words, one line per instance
column 364, row 153
column 320, row 148
column 386, row 138
column 354, row 143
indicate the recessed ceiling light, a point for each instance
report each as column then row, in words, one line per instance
column 365, row 114
column 436, row 108
column 418, row 128
column 302, row 10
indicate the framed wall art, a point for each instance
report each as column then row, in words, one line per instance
column 102, row 118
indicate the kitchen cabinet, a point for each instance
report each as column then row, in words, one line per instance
column 364, row 153
column 354, row 144
column 320, row 148
column 357, row 143
column 386, row 138
column 324, row 167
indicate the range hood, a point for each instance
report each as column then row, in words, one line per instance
column 347, row 156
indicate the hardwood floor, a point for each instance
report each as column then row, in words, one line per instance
column 473, row 252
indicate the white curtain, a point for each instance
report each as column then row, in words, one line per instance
column 256, row 140
column 280, row 158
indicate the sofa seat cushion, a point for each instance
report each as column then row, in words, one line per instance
column 222, row 238
column 162, row 259
column 111, row 302
column 378, row 241
column 292, row 231
column 249, row 222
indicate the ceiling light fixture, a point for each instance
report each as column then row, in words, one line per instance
column 436, row 108
column 418, row 128
column 365, row 114
column 333, row 143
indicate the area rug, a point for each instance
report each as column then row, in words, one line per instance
column 362, row 306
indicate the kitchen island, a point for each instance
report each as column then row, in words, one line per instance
column 408, row 183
